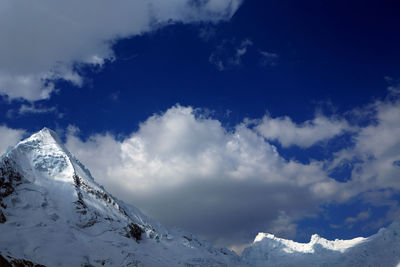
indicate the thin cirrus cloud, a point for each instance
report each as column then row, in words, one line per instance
column 228, row 54
column 364, row 215
column 186, row 169
column 33, row 108
column 269, row 58
column 46, row 40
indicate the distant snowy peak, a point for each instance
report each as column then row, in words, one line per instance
column 381, row 249
column 289, row 246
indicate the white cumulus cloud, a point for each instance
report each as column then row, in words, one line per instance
column 184, row 168
column 188, row 170
column 9, row 137
column 306, row 134
column 376, row 152
column 46, row 40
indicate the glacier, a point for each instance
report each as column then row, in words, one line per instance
column 53, row 213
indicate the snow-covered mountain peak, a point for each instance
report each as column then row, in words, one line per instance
column 45, row 140
column 45, row 134
column 52, row 203
column 381, row 249
column 43, row 165
column 44, row 152
column 52, row 212
column 316, row 242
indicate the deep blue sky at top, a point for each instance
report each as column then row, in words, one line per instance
column 338, row 51
column 344, row 53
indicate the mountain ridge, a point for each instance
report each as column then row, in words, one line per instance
column 51, row 206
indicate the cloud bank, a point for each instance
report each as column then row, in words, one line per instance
column 184, row 168
column 188, row 168
column 46, row 40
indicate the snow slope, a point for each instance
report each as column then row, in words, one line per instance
column 381, row 249
column 53, row 213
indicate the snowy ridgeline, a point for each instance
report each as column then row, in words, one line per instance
column 53, row 213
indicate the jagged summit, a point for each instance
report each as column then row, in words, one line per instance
column 316, row 242
column 44, row 138
column 46, row 133
column 43, row 162
column 44, row 152
column 381, row 249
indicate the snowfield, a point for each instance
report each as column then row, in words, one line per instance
column 53, row 213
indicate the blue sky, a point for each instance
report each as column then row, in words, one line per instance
column 223, row 117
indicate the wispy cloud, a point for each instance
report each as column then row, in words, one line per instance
column 362, row 216
column 207, row 32
column 268, row 58
column 229, row 54
column 115, row 96
column 24, row 109
column 33, row 108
